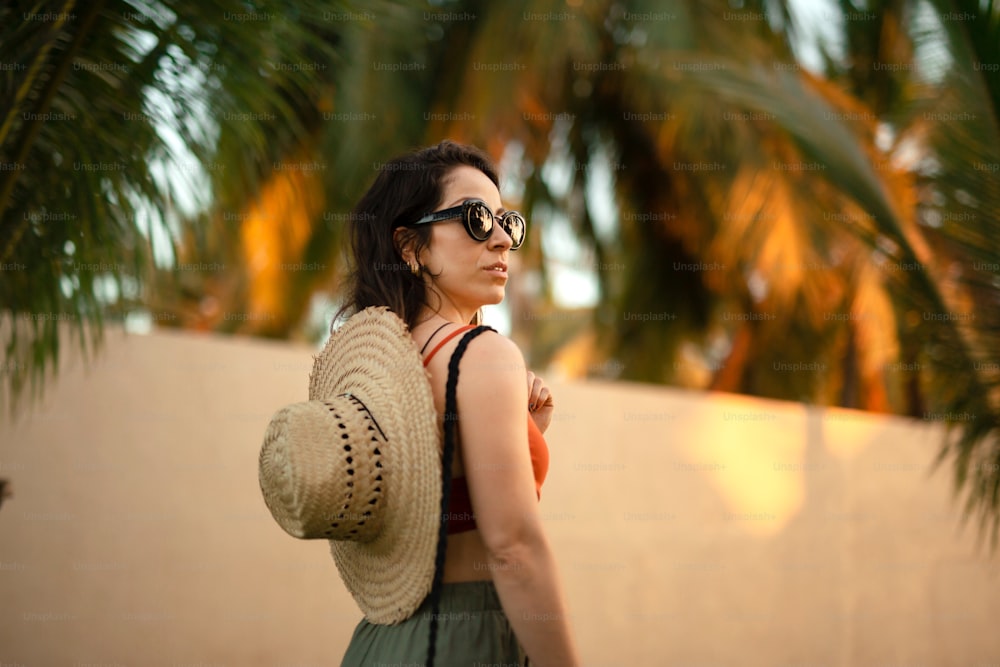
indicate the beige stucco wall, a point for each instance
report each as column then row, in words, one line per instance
column 692, row 529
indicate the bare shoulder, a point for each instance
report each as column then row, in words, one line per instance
column 493, row 358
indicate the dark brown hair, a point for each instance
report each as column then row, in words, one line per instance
column 405, row 189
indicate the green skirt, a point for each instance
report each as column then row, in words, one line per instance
column 472, row 631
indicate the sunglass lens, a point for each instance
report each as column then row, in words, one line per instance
column 514, row 224
column 480, row 221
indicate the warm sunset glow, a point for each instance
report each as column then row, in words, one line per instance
column 277, row 228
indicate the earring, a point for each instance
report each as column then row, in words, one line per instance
column 415, row 269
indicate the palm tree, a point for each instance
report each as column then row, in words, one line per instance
column 120, row 121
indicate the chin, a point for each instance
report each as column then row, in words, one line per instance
column 497, row 297
column 490, row 298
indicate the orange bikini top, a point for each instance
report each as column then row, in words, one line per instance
column 460, row 517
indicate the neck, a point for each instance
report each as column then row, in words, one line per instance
column 446, row 310
column 446, row 313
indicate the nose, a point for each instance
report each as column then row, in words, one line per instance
column 499, row 238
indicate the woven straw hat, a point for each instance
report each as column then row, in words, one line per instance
column 359, row 464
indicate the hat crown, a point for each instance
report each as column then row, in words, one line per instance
column 326, row 454
column 361, row 444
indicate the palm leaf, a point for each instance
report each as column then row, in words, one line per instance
column 113, row 82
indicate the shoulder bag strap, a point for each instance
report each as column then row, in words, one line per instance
column 450, row 421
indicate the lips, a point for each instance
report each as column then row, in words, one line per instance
column 498, row 266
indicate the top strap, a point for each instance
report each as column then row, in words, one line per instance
column 444, row 340
column 431, row 337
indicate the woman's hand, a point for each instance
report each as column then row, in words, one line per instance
column 540, row 405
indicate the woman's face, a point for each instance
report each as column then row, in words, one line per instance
column 470, row 273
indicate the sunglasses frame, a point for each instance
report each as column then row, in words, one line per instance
column 462, row 211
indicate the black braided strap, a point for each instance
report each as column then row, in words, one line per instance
column 450, row 423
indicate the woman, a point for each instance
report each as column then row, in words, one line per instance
column 501, row 601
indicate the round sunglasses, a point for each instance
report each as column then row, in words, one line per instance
column 479, row 220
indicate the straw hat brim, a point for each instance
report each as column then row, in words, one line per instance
column 373, row 357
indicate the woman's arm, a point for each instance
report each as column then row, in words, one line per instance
column 492, row 410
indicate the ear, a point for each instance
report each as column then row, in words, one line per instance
column 402, row 239
column 405, row 240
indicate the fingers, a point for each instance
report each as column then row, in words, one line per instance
column 544, row 400
column 535, row 385
column 539, row 395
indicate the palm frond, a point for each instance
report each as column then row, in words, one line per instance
column 106, row 106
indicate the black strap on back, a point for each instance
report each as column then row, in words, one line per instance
column 450, row 423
